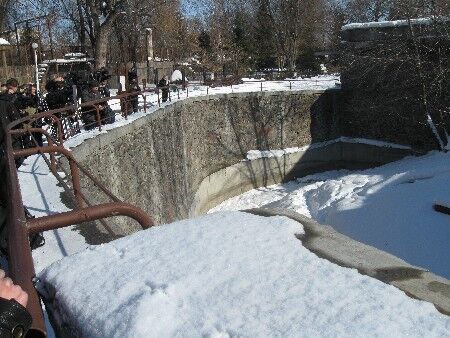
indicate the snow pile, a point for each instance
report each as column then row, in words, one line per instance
column 227, row 274
column 4, row 42
column 389, row 207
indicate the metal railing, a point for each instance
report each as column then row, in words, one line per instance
column 19, row 228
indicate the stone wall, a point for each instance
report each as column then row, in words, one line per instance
column 157, row 162
column 391, row 77
column 160, row 161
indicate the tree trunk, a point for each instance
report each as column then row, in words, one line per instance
column 101, row 41
column 82, row 32
column 101, row 47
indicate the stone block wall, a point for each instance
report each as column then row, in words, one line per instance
column 392, row 76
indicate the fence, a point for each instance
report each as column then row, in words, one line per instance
column 19, row 227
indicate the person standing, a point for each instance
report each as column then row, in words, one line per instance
column 29, row 104
column 164, row 85
column 134, row 99
column 89, row 115
column 108, row 114
column 11, row 93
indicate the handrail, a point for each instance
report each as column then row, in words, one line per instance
column 87, row 214
column 20, row 261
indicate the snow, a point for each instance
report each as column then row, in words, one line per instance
column 389, row 207
column 75, row 56
column 396, row 23
column 227, row 274
column 222, row 275
column 176, row 76
column 255, row 154
column 3, row 42
column 40, row 190
column 42, row 196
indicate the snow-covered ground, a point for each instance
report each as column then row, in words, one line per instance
column 231, row 274
column 228, row 274
column 389, row 207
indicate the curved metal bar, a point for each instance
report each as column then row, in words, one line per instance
column 73, row 167
column 76, row 107
column 87, row 214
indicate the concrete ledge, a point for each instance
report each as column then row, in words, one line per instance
column 247, row 175
column 327, row 243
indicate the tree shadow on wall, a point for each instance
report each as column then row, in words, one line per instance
column 277, row 123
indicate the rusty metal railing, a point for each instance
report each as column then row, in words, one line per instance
column 19, row 228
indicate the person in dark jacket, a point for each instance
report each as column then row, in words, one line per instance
column 108, row 114
column 134, row 99
column 29, row 105
column 11, row 94
column 89, row 116
column 164, row 85
column 10, row 113
column 58, row 96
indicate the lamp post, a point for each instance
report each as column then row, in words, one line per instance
column 35, row 47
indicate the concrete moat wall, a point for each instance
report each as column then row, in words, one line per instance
column 173, row 163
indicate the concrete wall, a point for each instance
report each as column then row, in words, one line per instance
column 391, row 77
column 186, row 157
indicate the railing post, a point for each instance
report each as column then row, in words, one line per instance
column 76, row 182
column 97, row 117
column 145, row 103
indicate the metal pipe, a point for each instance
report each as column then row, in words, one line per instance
column 20, row 262
column 73, row 167
column 87, row 214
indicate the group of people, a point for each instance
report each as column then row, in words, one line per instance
column 25, row 100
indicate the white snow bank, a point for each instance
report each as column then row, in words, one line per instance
column 396, row 23
column 255, row 154
column 228, row 274
column 389, row 207
column 4, row 42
